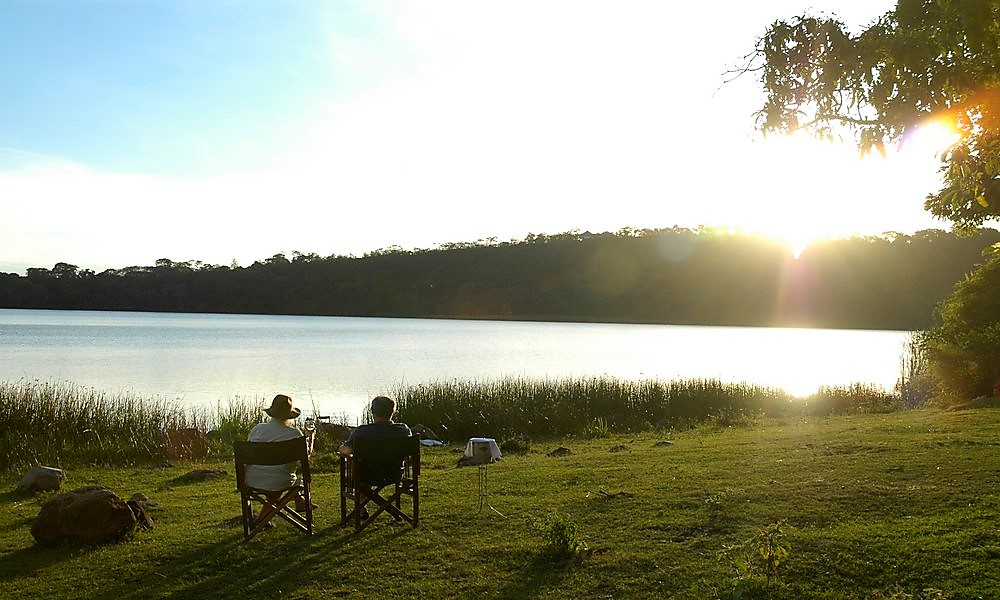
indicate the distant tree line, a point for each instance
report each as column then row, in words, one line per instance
column 676, row 276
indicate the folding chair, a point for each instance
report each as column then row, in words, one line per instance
column 274, row 453
column 377, row 465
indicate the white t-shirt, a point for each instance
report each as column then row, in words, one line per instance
column 272, row 477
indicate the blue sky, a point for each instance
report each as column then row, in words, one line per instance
column 132, row 130
column 166, row 87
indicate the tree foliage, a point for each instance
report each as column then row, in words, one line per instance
column 926, row 60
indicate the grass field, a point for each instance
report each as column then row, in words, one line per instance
column 899, row 505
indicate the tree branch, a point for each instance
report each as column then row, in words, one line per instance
column 841, row 118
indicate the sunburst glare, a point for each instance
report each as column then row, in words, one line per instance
column 931, row 137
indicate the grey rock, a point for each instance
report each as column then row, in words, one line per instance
column 143, row 500
column 41, row 479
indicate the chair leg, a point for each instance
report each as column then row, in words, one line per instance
column 343, row 505
column 309, row 511
column 276, row 507
column 358, row 505
column 246, row 507
column 416, row 506
column 283, row 508
column 392, row 505
column 362, row 518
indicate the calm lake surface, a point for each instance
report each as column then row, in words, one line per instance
column 338, row 363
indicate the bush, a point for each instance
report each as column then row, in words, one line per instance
column 562, row 535
column 515, row 444
column 964, row 349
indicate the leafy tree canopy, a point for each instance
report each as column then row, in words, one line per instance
column 925, row 60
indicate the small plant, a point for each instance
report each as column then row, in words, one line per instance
column 598, row 428
column 716, row 503
column 757, row 561
column 562, row 535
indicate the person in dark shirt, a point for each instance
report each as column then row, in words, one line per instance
column 382, row 426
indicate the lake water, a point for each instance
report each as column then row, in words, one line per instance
column 338, row 363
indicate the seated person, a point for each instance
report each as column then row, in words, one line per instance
column 382, row 427
column 278, row 429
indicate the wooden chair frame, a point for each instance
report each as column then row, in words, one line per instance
column 356, row 494
column 274, row 453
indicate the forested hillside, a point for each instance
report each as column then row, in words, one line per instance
column 676, row 276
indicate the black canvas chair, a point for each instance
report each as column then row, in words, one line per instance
column 380, row 472
column 274, row 453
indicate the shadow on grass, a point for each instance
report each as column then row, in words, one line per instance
column 545, row 571
column 34, row 561
column 13, row 496
column 193, row 478
column 21, row 496
column 278, row 562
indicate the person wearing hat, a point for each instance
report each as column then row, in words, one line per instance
column 278, row 428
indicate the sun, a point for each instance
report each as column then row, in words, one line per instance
column 796, row 239
column 931, row 137
column 798, row 242
column 816, row 190
column 796, row 206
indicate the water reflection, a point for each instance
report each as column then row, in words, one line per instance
column 338, row 363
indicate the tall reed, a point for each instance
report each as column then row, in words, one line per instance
column 234, row 419
column 854, row 398
column 61, row 423
column 506, row 407
column 916, row 382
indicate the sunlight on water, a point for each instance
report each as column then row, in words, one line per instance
column 337, row 364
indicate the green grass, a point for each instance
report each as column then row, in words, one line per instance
column 870, row 505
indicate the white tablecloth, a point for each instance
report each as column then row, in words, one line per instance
column 482, row 450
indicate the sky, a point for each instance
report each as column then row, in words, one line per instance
column 224, row 130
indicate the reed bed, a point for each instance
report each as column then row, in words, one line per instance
column 62, row 423
column 545, row 408
column 853, row 399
